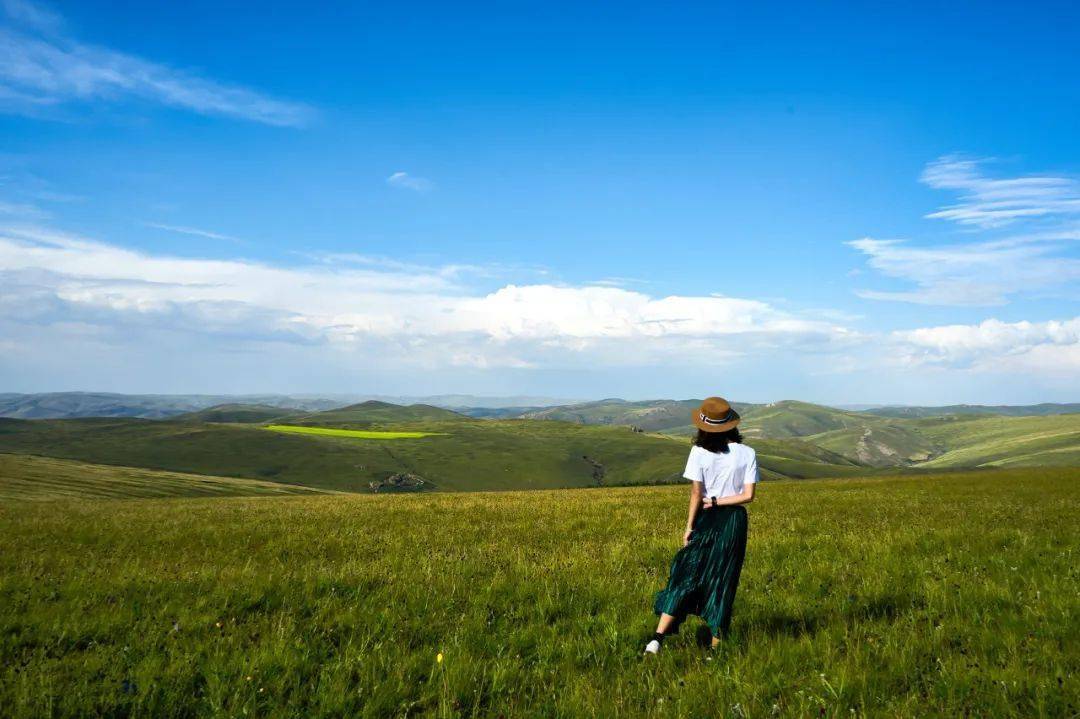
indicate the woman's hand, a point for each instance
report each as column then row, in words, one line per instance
column 686, row 537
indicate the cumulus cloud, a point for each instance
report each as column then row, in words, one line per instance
column 1025, row 228
column 424, row 316
column 41, row 67
column 1051, row 347
column 405, row 181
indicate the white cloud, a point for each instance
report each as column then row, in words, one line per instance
column 1036, row 257
column 405, row 181
column 424, row 316
column 193, row 231
column 21, row 209
column 37, row 17
column 40, row 67
column 1043, row 348
column 987, row 202
column 983, row 273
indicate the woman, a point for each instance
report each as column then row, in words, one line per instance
column 705, row 572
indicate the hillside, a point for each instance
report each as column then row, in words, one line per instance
column 26, row 477
column 791, row 418
column 1032, row 410
column 237, row 413
column 797, row 459
column 929, row 596
column 879, row 445
column 377, row 412
column 460, row 455
column 1049, row 441
column 845, row 439
column 649, row 415
column 71, row 405
column 452, row 452
column 788, row 418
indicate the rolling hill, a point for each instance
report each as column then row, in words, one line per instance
column 879, row 445
column 878, row 439
column 791, row 418
column 28, row 477
column 1031, row 410
column 377, row 412
column 649, row 415
column 451, row 451
column 69, row 405
column 461, row 454
column 1047, row 441
column 242, row 413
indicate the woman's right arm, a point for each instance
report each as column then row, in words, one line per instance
column 695, row 506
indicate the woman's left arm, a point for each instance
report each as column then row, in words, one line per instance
column 744, row 497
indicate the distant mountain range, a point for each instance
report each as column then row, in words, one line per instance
column 649, row 415
column 69, row 405
column 1029, row 410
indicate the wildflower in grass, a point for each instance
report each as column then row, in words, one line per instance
column 438, row 657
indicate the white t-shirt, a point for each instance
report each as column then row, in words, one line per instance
column 723, row 474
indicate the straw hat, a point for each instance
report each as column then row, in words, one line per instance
column 716, row 415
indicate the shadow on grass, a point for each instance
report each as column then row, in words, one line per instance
column 886, row 607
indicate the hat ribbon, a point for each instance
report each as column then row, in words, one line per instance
column 726, row 418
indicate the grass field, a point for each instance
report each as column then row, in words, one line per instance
column 1005, row 441
column 26, row 477
column 353, row 433
column 458, row 455
column 951, row 595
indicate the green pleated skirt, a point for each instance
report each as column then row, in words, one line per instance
column 705, row 573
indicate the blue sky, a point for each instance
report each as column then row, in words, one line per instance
column 831, row 202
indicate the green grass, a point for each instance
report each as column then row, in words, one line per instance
column 377, row 412
column 891, row 438
column 458, row 455
column 26, row 477
column 1005, row 441
column 801, row 419
column 880, row 445
column 650, row 415
column 354, row 433
column 953, row 595
column 253, row 413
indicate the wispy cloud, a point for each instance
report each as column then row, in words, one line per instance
column 195, row 232
column 31, row 15
column 991, row 202
column 406, row 181
column 1035, row 254
column 40, row 67
column 977, row 273
column 22, row 209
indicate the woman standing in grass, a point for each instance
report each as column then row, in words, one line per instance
column 705, row 572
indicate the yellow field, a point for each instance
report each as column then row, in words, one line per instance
column 353, row 433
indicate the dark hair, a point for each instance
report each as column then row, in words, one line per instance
column 717, row 441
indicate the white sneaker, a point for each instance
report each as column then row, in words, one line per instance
column 652, row 647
